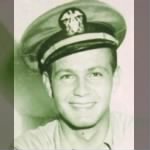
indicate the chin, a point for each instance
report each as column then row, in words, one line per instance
column 82, row 121
column 82, row 124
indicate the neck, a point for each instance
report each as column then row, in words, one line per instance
column 86, row 138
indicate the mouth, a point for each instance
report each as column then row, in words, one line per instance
column 86, row 105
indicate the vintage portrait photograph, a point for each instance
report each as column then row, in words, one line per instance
column 74, row 75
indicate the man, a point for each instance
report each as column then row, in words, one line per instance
column 74, row 46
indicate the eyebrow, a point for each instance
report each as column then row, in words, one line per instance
column 99, row 67
column 62, row 70
column 89, row 69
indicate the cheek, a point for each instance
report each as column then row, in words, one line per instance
column 61, row 91
column 103, row 88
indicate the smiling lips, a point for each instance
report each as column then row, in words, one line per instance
column 79, row 105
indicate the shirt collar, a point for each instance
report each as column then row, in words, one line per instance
column 108, row 139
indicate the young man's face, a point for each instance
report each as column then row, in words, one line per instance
column 81, row 84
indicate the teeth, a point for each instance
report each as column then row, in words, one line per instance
column 86, row 105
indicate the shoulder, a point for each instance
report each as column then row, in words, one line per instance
column 41, row 137
column 123, row 130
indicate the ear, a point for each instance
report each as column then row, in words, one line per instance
column 47, row 83
column 116, row 78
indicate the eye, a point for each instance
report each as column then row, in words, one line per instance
column 66, row 77
column 96, row 75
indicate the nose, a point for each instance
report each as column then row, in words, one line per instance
column 81, row 88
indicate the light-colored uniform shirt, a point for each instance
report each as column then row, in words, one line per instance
column 120, row 136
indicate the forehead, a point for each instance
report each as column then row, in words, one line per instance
column 85, row 60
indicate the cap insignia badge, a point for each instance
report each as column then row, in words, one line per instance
column 73, row 21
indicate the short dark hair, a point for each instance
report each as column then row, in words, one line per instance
column 114, row 61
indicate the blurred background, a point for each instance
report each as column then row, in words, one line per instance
column 32, row 104
column 6, row 73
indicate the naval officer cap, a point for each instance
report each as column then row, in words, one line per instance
column 71, row 28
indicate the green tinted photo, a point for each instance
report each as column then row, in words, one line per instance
column 74, row 69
